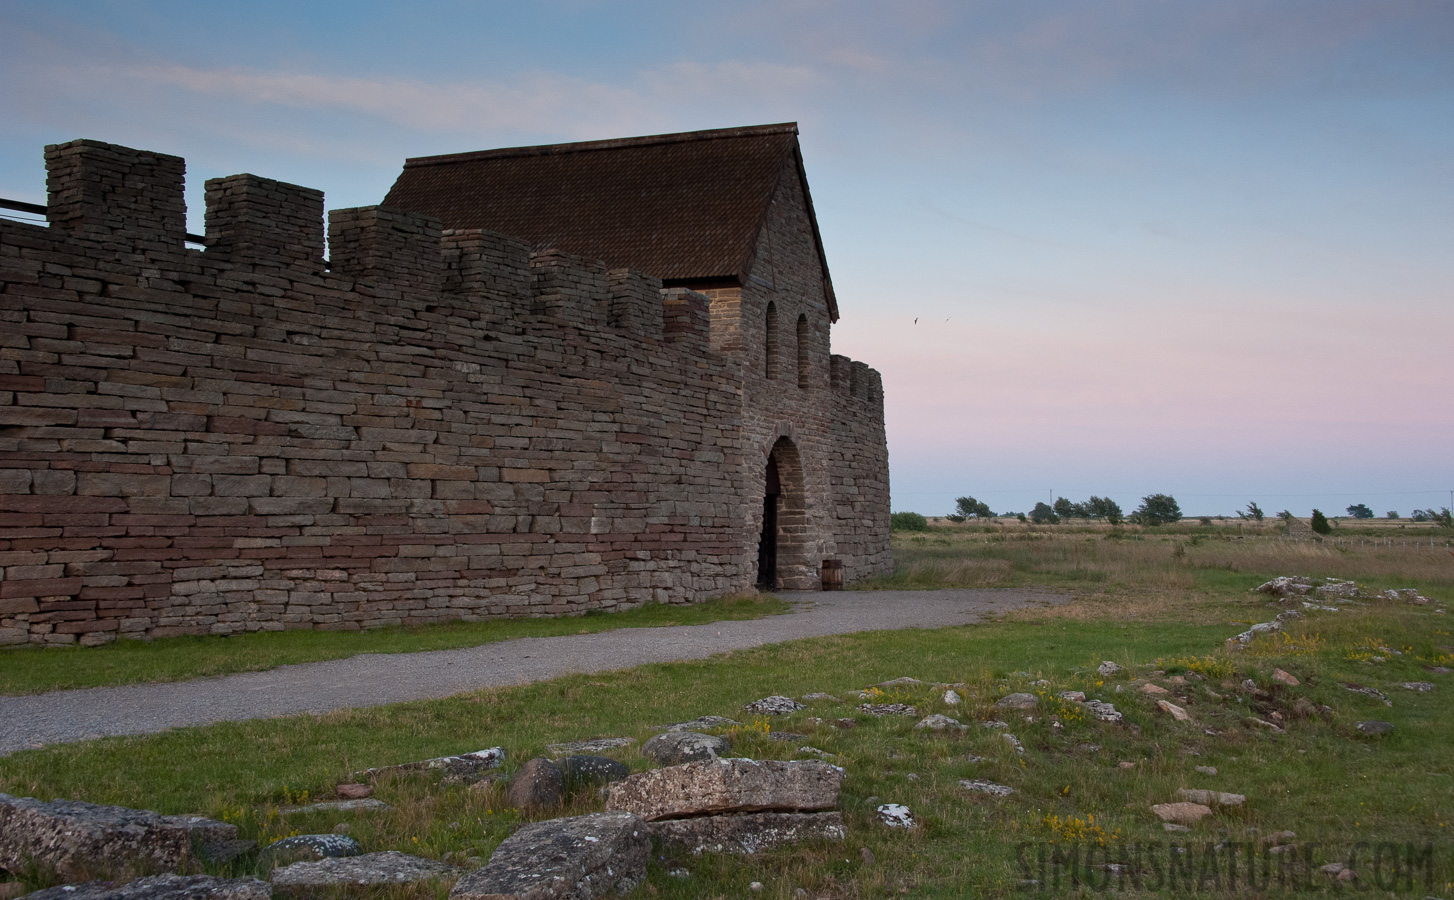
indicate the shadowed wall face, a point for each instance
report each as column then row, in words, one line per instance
column 441, row 426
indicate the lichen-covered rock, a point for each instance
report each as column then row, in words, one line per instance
column 1375, row 727
column 538, row 785
column 981, row 786
column 896, row 815
column 700, row 723
column 571, row 748
column 587, row 769
column 1017, row 701
column 1181, row 813
column 938, row 722
column 773, row 706
column 463, row 769
column 366, row 804
column 309, row 847
column 1108, row 668
column 747, row 833
column 162, row 887
column 387, row 867
column 888, row 709
column 1210, row 798
column 75, row 839
column 578, row 858
column 676, row 747
column 722, row 786
column 1286, row 586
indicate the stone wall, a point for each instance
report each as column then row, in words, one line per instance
column 429, row 426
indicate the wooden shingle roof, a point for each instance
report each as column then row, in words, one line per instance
column 687, row 208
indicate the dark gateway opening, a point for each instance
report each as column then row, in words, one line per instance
column 767, row 543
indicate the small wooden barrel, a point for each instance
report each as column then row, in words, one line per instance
column 832, row 574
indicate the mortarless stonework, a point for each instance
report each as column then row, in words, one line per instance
column 433, row 426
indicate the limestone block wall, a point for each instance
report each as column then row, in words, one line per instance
column 436, row 426
column 778, row 326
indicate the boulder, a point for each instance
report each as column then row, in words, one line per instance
column 308, row 847
column 728, row 786
column 1285, row 677
column 747, row 833
column 1072, row 696
column 1154, row 690
column 162, row 887
column 1375, row 727
column 579, row 858
column 951, row 698
column 773, row 706
column 1210, row 798
column 587, row 770
column 676, row 747
column 1181, row 813
column 539, row 784
column 570, row 748
column 78, row 840
column 354, row 791
column 1207, row 770
column 1017, row 701
column 819, row 696
column 387, row 867
column 1422, row 687
column 1108, row 668
column 463, row 769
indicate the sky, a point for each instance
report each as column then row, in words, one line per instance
column 1112, row 248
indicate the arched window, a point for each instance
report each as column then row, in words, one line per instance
column 803, row 351
column 771, row 340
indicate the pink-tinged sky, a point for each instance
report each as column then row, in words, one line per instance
column 1199, row 249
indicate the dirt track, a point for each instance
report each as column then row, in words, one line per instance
column 375, row 679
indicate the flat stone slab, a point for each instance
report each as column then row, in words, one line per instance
column 309, row 847
column 981, row 786
column 676, row 747
column 1181, row 813
column 75, row 839
column 722, row 786
column 162, row 887
column 386, row 867
column 747, row 833
column 700, row 723
column 363, row 805
column 571, row 748
column 938, row 722
column 888, row 709
column 466, row 767
column 1210, row 798
column 579, row 858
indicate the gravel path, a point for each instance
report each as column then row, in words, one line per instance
column 373, row 679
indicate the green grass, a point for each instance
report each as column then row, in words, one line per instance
column 1322, row 779
column 31, row 670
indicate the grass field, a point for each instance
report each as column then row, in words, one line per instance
column 1160, row 604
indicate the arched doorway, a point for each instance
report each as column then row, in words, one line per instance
column 781, row 554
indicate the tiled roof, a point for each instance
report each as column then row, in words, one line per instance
column 684, row 207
